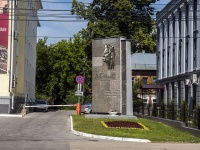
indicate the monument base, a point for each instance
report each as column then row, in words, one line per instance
column 110, row 116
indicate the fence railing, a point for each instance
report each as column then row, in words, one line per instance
column 191, row 117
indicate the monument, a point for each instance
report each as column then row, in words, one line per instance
column 111, row 76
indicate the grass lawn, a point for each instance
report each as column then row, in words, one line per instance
column 158, row 132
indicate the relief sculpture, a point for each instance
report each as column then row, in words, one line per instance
column 109, row 56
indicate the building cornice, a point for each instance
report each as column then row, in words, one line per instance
column 189, row 2
column 169, row 8
column 176, row 13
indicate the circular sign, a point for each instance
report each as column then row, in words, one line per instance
column 79, row 79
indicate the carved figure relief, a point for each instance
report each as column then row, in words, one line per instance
column 109, row 56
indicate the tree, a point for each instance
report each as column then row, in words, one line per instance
column 57, row 67
column 129, row 18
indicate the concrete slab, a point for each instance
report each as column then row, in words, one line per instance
column 109, row 116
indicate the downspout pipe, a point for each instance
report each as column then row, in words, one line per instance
column 11, row 53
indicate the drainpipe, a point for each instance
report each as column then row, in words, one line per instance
column 11, row 53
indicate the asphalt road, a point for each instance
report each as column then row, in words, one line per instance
column 51, row 131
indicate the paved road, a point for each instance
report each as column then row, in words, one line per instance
column 51, row 131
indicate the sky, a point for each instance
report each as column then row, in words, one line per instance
column 61, row 24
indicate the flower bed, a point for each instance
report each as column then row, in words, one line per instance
column 123, row 124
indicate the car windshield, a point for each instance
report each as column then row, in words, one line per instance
column 41, row 102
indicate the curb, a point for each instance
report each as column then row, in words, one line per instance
column 11, row 115
column 106, row 137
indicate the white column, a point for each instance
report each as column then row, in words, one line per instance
column 190, row 32
column 183, row 35
column 165, row 47
column 170, row 45
column 176, row 40
column 198, row 39
column 160, row 49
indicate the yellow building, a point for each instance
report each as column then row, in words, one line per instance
column 18, row 32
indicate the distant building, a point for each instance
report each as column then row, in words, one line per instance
column 178, row 55
column 18, row 32
column 144, row 69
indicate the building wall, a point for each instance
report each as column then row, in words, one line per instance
column 178, row 56
column 21, row 57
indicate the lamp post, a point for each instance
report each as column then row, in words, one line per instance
column 84, row 60
column 83, row 85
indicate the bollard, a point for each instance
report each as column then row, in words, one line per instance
column 78, row 109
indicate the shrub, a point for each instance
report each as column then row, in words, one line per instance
column 171, row 110
column 184, row 111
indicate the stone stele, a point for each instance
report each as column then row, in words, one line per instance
column 111, row 76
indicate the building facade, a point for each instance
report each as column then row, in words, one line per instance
column 18, row 32
column 144, row 70
column 178, row 54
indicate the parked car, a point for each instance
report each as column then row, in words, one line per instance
column 86, row 108
column 41, row 105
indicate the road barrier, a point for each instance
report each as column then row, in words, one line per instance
column 50, row 106
column 78, row 107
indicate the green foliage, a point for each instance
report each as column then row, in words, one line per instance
column 57, row 67
column 111, row 18
column 171, row 110
column 196, row 115
column 162, row 109
column 184, row 111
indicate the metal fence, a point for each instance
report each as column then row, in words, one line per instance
column 191, row 117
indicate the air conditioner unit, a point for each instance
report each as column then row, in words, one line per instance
column 194, row 78
column 15, row 35
column 13, row 84
column 16, row 3
column 14, row 77
column 187, row 81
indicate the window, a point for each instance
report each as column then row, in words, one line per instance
column 179, row 58
column 186, row 19
column 195, row 14
column 194, row 51
column 173, row 28
column 168, row 62
column 163, row 62
column 158, row 61
column 167, row 32
column 179, row 93
column 167, row 93
column 154, row 79
column 173, row 65
column 194, row 95
column 163, row 35
column 173, row 90
column 186, row 93
column 186, row 55
column 180, row 17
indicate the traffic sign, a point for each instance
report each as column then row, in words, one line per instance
column 79, row 79
column 78, row 93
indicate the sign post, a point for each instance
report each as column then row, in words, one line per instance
column 79, row 81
